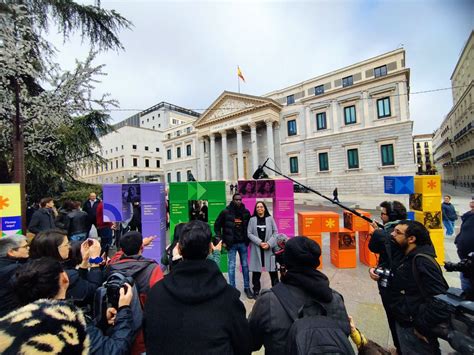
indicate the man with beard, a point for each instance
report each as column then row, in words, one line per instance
column 416, row 280
column 270, row 321
column 231, row 227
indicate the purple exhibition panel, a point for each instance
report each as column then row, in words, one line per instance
column 112, row 202
column 265, row 188
column 153, row 210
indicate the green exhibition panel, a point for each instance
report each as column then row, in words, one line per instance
column 186, row 197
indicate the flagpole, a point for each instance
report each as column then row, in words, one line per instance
column 238, row 79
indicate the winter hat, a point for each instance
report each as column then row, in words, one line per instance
column 302, row 252
column 46, row 327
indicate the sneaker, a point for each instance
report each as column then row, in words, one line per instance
column 248, row 293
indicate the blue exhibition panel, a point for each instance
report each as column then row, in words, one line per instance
column 399, row 185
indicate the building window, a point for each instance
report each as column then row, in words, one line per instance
column 116, row 164
column 383, row 107
column 134, row 146
column 158, row 163
column 318, row 90
column 135, row 162
column 386, row 151
column 350, row 115
column 188, row 150
column 292, row 128
column 188, row 130
column 380, row 71
column 353, row 158
column 323, row 161
column 122, row 147
column 290, row 99
column 188, row 174
column 123, row 163
column 111, row 166
column 204, row 145
column 294, row 165
column 168, row 154
column 169, row 177
column 147, row 163
column 178, row 176
column 347, row 81
column 426, row 144
column 321, row 120
column 178, row 152
column 146, row 147
column 157, row 149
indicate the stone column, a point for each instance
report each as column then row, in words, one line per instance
column 240, row 154
column 335, row 116
column 366, row 117
column 224, row 155
column 253, row 139
column 271, row 149
column 202, row 166
column 212, row 157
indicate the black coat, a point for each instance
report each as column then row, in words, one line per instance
column 412, row 303
column 382, row 243
column 82, row 284
column 78, row 222
column 225, row 225
column 270, row 323
column 91, row 210
column 118, row 339
column 8, row 268
column 42, row 220
column 465, row 239
column 194, row 310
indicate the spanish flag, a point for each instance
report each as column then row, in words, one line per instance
column 239, row 74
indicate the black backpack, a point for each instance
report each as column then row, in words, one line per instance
column 312, row 331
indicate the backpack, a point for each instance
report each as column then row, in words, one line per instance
column 312, row 331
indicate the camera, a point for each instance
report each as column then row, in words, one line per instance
column 459, row 331
column 384, row 274
column 113, row 285
column 466, row 266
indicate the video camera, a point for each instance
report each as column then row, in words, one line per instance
column 108, row 295
column 466, row 266
column 460, row 329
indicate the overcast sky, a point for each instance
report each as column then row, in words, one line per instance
column 186, row 52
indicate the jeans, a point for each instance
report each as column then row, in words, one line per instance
column 242, row 249
column 78, row 237
column 449, row 225
column 411, row 344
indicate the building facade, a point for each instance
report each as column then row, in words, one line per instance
column 454, row 140
column 134, row 151
column 345, row 129
column 423, row 149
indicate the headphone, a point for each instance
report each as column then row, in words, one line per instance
column 392, row 215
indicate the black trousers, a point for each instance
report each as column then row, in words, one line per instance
column 384, row 295
column 256, row 279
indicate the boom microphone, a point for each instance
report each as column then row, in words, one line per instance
column 260, row 173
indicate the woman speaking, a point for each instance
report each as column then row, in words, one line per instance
column 262, row 231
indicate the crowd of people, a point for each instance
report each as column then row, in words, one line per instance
column 62, row 292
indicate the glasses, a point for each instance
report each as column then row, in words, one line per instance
column 398, row 232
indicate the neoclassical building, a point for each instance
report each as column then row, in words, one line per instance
column 344, row 129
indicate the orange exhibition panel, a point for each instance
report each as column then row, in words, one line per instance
column 355, row 223
column 343, row 249
column 309, row 223
column 365, row 255
column 329, row 222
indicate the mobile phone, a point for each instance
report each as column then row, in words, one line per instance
column 90, row 242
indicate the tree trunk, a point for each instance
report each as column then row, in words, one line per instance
column 19, row 154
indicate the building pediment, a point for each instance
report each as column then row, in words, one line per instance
column 230, row 105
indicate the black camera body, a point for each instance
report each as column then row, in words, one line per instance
column 384, row 275
column 216, row 240
column 466, row 266
column 459, row 332
column 108, row 295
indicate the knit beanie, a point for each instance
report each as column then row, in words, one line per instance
column 46, row 327
column 302, row 252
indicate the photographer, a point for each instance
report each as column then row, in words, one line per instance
column 416, row 280
column 389, row 256
column 465, row 245
column 45, row 278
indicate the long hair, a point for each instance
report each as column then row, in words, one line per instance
column 266, row 214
